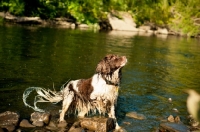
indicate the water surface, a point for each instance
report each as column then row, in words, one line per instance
column 158, row 68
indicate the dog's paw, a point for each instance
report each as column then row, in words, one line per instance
column 119, row 129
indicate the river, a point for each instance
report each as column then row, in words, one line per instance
column 159, row 67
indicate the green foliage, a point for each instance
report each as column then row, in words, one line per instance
column 15, row 7
column 187, row 17
column 182, row 15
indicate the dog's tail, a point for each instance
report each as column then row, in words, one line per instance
column 43, row 95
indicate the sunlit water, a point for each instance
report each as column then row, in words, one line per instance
column 158, row 68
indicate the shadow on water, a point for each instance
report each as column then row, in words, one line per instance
column 159, row 67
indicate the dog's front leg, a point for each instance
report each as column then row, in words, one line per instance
column 112, row 115
column 68, row 98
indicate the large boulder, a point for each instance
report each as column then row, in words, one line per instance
column 9, row 120
column 125, row 22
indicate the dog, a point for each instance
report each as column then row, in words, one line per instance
column 84, row 96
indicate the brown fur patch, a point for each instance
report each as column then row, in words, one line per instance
column 85, row 88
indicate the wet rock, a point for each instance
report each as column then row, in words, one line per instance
column 62, row 124
column 76, row 127
column 177, row 119
column 170, row 118
column 173, row 127
column 38, row 123
column 100, row 124
column 175, row 110
column 72, row 129
column 25, row 123
column 9, row 120
column 52, row 126
column 170, row 100
column 38, row 116
column 135, row 115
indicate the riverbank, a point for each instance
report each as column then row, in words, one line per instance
column 113, row 22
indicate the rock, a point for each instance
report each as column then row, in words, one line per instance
column 62, row 124
column 16, row 19
column 73, row 26
column 25, row 123
column 135, row 115
column 177, row 119
column 175, row 110
column 170, row 118
column 76, row 127
column 145, row 28
column 52, row 126
column 38, row 123
column 83, row 26
column 37, row 116
column 170, row 100
column 126, row 23
column 100, row 124
column 73, row 129
column 173, row 127
column 9, row 120
column 162, row 31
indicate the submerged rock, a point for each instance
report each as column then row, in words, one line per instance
column 173, row 127
column 135, row 115
column 9, row 120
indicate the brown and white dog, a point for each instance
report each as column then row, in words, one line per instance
column 98, row 93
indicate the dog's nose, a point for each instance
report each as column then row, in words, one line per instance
column 124, row 58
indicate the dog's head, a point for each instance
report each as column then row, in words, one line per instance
column 109, row 67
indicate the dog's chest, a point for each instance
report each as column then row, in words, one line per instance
column 106, row 92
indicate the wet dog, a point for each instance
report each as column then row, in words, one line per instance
column 84, row 96
column 99, row 92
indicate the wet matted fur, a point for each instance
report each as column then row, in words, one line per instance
column 84, row 96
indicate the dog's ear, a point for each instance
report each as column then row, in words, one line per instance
column 103, row 67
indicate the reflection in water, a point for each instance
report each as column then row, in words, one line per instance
column 158, row 68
